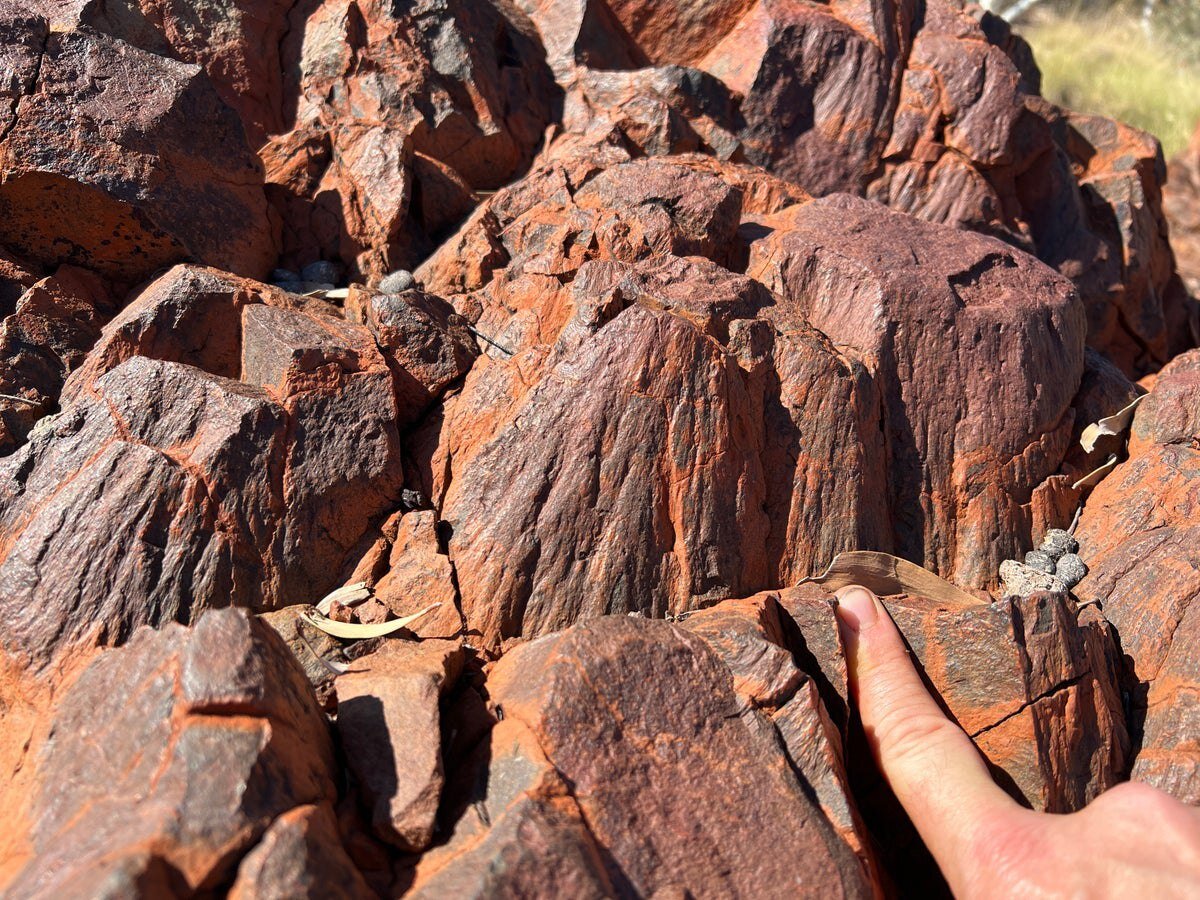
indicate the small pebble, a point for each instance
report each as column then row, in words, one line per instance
column 1070, row 569
column 1057, row 542
column 410, row 499
column 283, row 276
column 1020, row 580
column 322, row 270
column 396, row 282
column 1040, row 560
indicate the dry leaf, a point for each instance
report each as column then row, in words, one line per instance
column 356, row 632
column 1094, row 477
column 1114, row 424
column 347, row 595
column 886, row 574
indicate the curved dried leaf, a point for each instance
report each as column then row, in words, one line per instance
column 347, row 595
column 1114, row 424
column 886, row 574
column 354, row 631
column 1094, row 477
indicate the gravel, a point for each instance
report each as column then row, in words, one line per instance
column 322, row 270
column 396, row 282
column 1070, row 569
column 1057, row 542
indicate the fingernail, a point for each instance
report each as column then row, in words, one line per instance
column 856, row 608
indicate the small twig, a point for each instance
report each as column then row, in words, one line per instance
column 16, row 399
column 484, row 337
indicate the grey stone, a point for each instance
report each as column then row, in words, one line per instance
column 1020, row 580
column 1056, row 542
column 1070, row 569
column 322, row 270
column 1040, row 560
column 283, row 276
column 396, row 282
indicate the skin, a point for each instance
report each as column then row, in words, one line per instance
column 1132, row 841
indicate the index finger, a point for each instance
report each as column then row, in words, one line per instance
column 929, row 762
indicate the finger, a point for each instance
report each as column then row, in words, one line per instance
column 930, row 763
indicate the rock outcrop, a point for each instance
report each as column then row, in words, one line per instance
column 415, row 419
column 1181, row 203
column 1139, row 534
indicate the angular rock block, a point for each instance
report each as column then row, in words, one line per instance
column 166, row 782
column 122, row 161
column 1139, row 536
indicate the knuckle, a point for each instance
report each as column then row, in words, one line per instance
column 904, row 733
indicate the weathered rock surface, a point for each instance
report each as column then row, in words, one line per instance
column 1181, row 203
column 921, row 307
column 163, row 785
column 387, row 717
column 682, row 755
column 188, row 490
column 50, row 329
column 1139, row 536
column 562, row 345
column 122, row 161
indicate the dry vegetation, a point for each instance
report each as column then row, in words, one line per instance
column 1099, row 58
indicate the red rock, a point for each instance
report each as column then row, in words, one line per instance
column 752, row 639
column 301, row 856
column 388, row 719
column 123, row 162
column 195, row 491
column 418, row 575
column 631, row 729
column 171, row 779
column 51, row 328
column 1138, row 536
column 427, row 345
column 931, row 312
column 1181, row 204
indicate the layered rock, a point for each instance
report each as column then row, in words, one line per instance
column 939, row 318
column 682, row 755
column 1139, row 536
column 51, row 328
column 1181, row 202
column 187, row 489
column 122, row 161
column 163, row 786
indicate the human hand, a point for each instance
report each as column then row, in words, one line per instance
column 1132, row 841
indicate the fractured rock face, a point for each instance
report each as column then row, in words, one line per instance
column 1181, row 203
column 190, row 490
column 122, row 161
column 681, row 756
column 387, row 717
column 1139, row 536
column 939, row 318
column 165, row 783
column 51, row 328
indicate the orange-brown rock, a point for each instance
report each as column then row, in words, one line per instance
column 173, row 757
column 192, row 490
column 123, row 161
column 1181, row 203
column 1010, row 673
column 388, row 720
column 935, row 316
column 47, row 335
column 1139, row 536
column 680, row 754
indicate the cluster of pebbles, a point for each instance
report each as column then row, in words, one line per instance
column 1054, row 566
column 324, row 275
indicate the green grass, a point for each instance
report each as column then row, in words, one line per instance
column 1105, row 64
